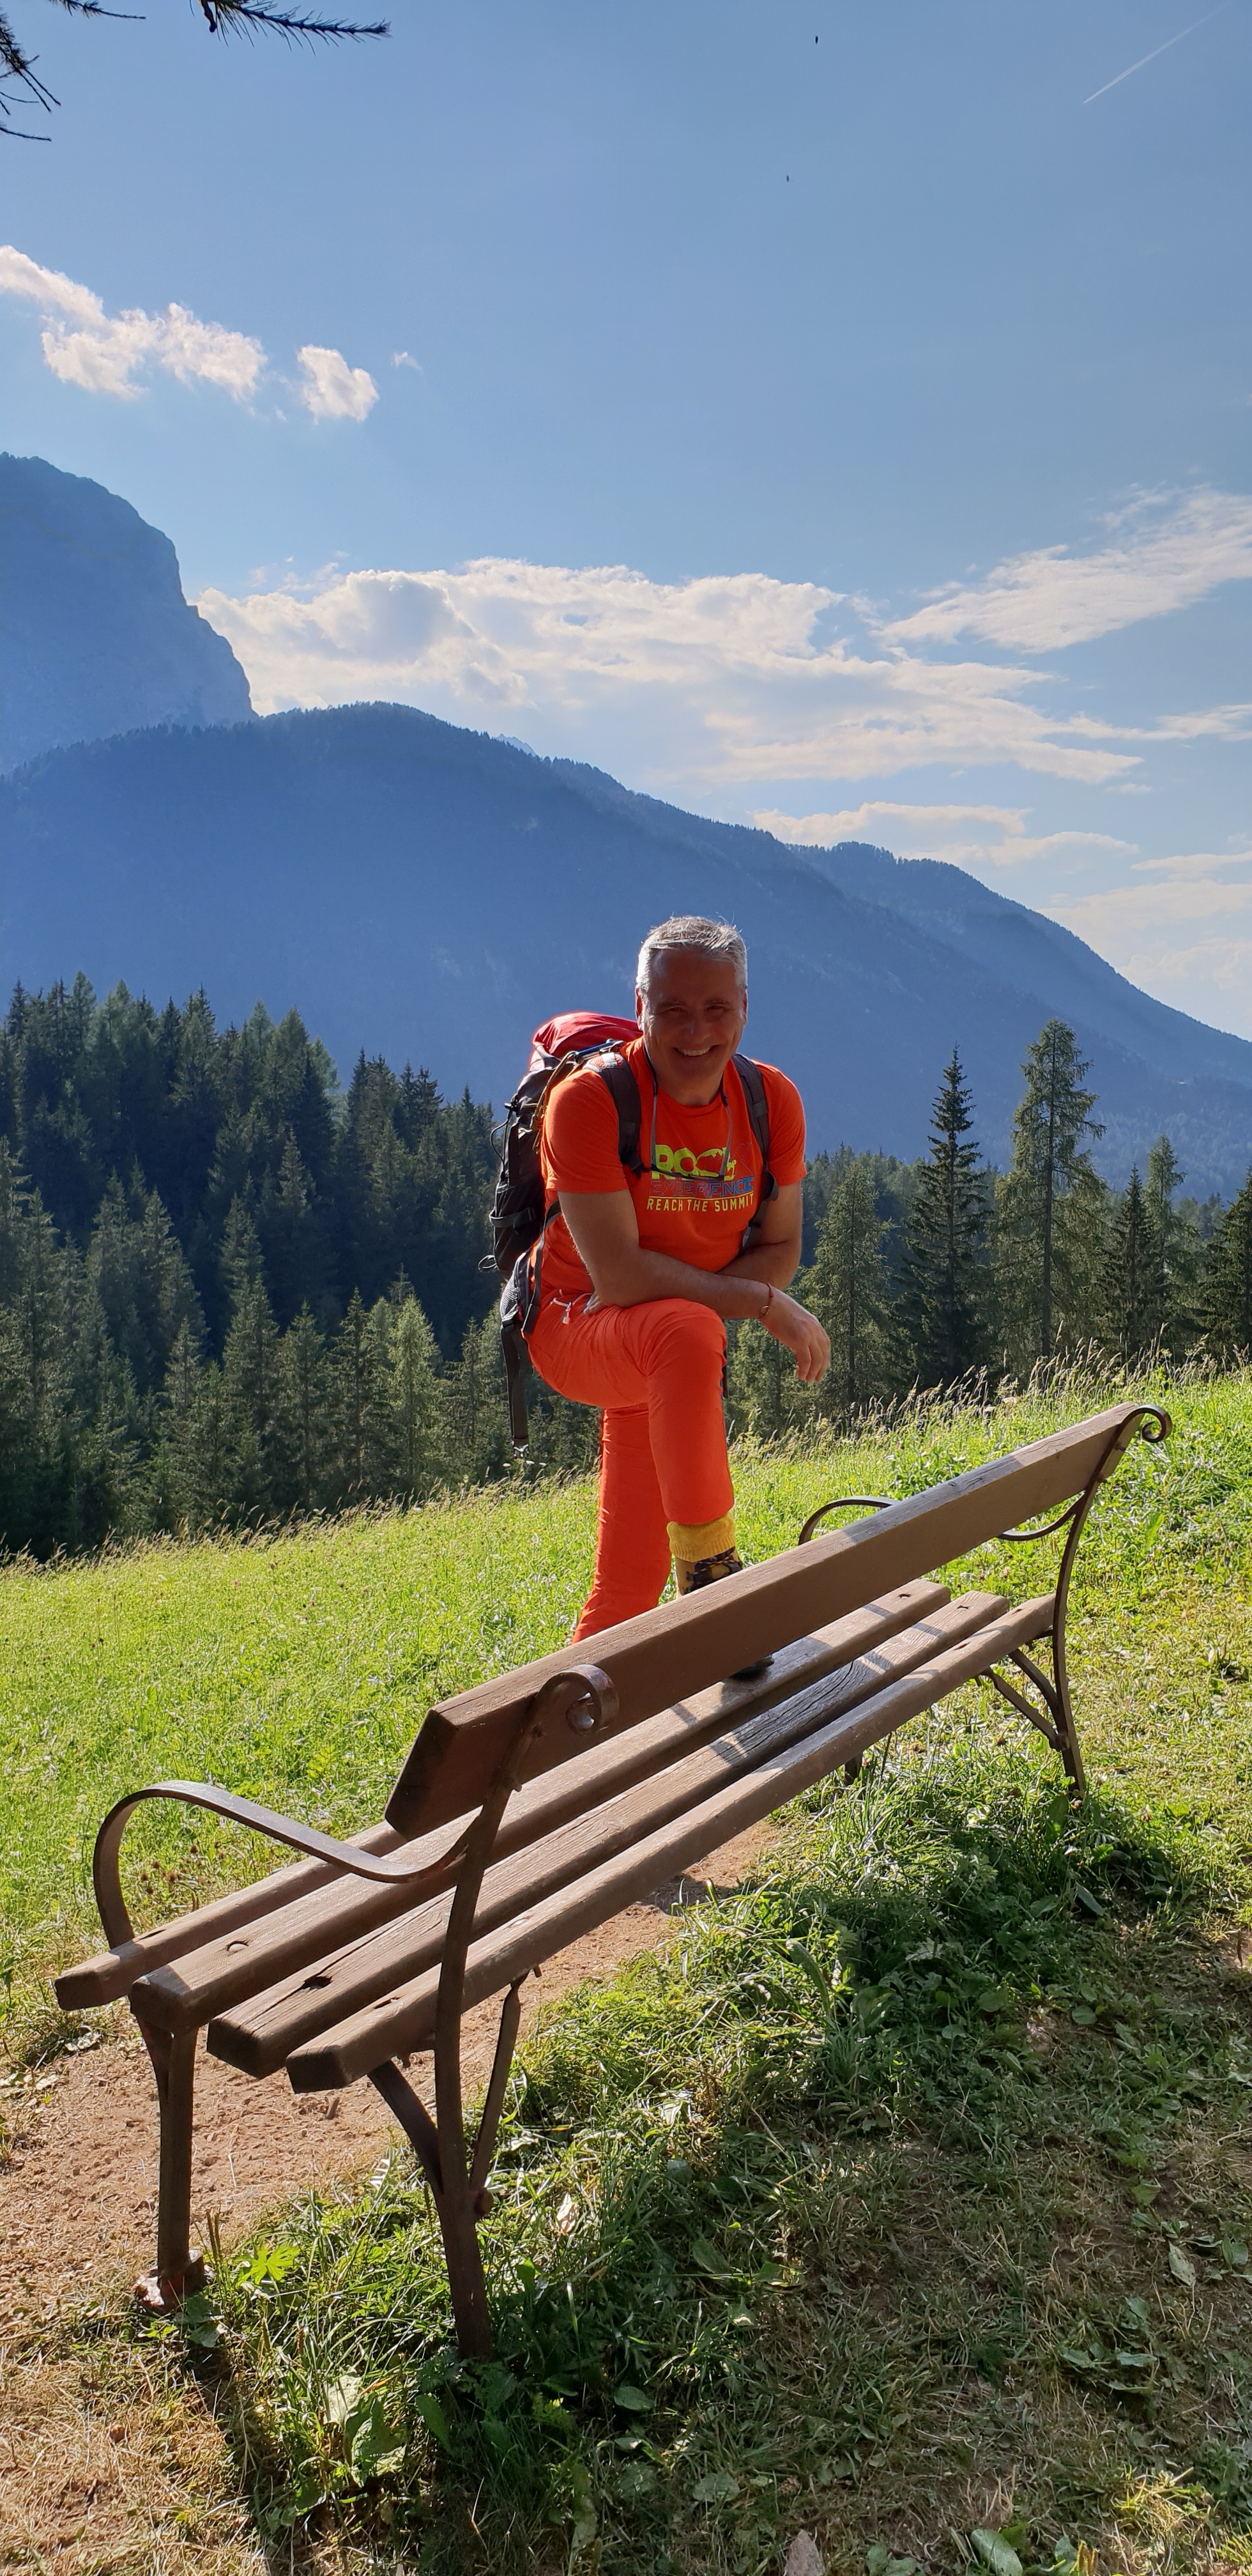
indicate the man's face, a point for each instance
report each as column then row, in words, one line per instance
column 692, row 1017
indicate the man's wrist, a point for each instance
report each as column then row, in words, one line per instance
column 768, row 1286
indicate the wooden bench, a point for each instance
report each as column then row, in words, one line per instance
column 537, row 1806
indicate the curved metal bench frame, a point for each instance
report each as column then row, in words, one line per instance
column 585, row 1697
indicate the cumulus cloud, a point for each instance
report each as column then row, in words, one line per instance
column 109, row 353
column 1149, row 931
column 962, row 834
column 725, row 676
column 1188, row 889
column 106, row 353
column 1163, row 553
column 1223, row 964
column 332, row 390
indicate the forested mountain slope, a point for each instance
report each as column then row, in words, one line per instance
column 432, row 893
column 97, row 637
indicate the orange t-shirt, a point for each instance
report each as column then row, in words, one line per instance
column 703, row 1192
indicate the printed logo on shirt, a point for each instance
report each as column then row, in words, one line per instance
column 703, row 1198
column 706, row 1166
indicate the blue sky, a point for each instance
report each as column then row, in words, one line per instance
column 834, row 414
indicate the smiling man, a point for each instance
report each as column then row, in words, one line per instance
column 642, row 1267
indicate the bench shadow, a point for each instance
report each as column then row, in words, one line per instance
column 1095, row 1894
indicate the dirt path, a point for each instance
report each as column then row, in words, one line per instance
column 101, row 2467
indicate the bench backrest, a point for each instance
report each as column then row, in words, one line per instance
column 688, row 1645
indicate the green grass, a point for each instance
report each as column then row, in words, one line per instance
column 907, row 2193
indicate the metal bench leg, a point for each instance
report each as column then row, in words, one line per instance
column 179, row 2266
column 458, row 2198
column 510, row 2016
column 582, row 1695
column 1063, row 1709
column 1061, row 1702
column 460, row 2241
column 1054, row 1689
column 1058, row 1727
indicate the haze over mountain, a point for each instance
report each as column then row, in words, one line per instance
column 421, row 891
column 97, row 637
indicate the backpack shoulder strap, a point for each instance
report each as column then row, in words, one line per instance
column 619, row 1080
column 754, row 1093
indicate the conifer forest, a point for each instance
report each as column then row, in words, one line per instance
column 232, row 1293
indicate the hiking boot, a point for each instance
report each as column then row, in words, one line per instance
column 693, row 1574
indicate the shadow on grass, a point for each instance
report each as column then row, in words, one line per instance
column 885, row 2202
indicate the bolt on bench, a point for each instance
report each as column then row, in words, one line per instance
column 537, row 1806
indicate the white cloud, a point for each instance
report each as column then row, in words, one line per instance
column 1164, row 554
column 105, row 354
column 401, row 358
column 1200, row 864
column 741, row 693
column 1223, row 963
column 1187, row 890
column 332, row 390
column 721, row 675
column 962, row 834
column 47, row 287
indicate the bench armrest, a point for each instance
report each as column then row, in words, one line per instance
column 1148, row 1422
column 390, row 1867
column 845, row 1503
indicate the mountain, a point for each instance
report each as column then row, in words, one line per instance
column 430, row 893
column 97, row 637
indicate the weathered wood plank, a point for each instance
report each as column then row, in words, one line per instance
column 111, row 1973
column 258, row 2034
column 402, row 2020
column 240, row 1957
column 684, row 1646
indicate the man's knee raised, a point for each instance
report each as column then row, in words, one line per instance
column 677, row 1323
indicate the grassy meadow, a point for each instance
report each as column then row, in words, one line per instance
column 904, row 2197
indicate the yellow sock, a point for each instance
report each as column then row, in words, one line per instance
column 691, row 1540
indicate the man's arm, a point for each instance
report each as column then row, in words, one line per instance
column 775, row 1255
column 606, row 1234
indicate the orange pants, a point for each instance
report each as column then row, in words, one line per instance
column 656, row 1370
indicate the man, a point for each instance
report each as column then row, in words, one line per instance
column 640, row 1272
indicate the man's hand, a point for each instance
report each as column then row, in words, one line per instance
column 798, row 1331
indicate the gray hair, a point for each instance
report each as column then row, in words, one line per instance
column 693, row 930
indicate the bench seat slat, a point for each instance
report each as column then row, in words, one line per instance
column 684, row 1645
column 237, row 1957
column 256, row 2036
column 100, row 1980
column 403, row 2020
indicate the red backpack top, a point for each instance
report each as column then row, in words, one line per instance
column 577, row 1033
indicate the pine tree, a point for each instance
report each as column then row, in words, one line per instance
column 136, row 1266
column 1177, row 1252
column 34, row 1386
column 846, row 1288
column 199, row 1188
column 940, row 1312
column 104, row 1485
column 414, row 1367
column 251, row 1381
column 1228, row 1282
column 361, row 1373
column 214, row 1454
column 760, row 1376
column 1133, row 1276
column 1050, row 1233
column 474, row 1432
column 306, row 1416
column 173, row 1481
column 221, row 17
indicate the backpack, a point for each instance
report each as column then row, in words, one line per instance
column 518, row 1216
